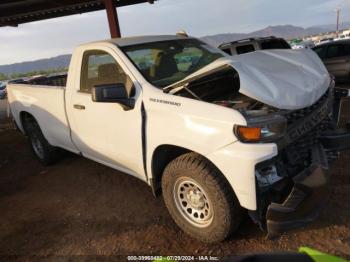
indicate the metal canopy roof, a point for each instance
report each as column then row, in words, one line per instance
column 15, row 12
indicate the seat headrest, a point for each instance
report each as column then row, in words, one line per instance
column 165, row 65
column 106, row 71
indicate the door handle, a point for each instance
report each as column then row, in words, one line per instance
column 80, row 107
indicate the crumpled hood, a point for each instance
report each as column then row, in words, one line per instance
column 285, row 79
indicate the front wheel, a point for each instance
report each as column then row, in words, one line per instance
column 199, row 198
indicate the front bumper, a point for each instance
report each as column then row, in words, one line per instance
column 237, row 163
column 307, row 197
column 311, row 187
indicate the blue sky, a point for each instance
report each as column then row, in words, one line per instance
column 198, row 17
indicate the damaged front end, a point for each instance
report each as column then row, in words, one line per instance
column 293, row 187
column 308, row 194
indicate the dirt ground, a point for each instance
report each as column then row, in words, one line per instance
column 78, row 207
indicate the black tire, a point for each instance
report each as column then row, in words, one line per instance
column 41, row 148
column 211, row 190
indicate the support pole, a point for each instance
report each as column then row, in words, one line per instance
column 112, row 15
column 338, row 14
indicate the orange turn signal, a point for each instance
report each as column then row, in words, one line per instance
column 249, row 134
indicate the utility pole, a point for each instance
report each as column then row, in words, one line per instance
column 338, row 15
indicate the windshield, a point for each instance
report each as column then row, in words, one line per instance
column 167, row 62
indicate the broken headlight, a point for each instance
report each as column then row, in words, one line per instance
column 262, row 129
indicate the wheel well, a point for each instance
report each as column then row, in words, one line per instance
column 162, row 156
column 26, row 118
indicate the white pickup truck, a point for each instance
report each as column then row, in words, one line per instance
column 216, row 135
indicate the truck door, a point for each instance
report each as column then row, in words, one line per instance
column 105, row 132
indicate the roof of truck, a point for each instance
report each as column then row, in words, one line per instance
column 135, row 40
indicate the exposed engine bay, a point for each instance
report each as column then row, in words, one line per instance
column 222, row 88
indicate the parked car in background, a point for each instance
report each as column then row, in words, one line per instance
column 298, row 46
column 304, row 44
column 3, row 91
column 342, row 37
column 252, row 44
column 17, row 81
column 324, row 41
column 336, row 57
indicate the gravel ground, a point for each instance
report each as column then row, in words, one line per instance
column 79, row 207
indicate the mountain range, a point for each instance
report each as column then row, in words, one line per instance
column 37, row 65
column 285, row 31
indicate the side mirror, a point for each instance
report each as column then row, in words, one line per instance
column 112, row 93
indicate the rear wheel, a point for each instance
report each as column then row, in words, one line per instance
column 41, row 148
column 199, row 198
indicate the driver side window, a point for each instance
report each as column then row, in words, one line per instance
column 100, row 68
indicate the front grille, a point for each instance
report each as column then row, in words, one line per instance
column 296, row 156
column 299, row 151
column 296, row 115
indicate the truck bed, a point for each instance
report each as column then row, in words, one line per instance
column 50, row 80
column 47, row 105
